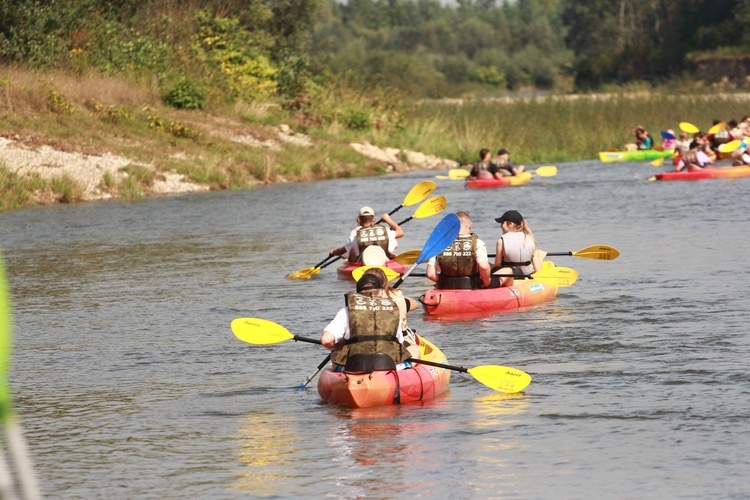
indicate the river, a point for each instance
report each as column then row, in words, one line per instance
column 130, row 384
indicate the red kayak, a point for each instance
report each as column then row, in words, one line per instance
column 345, row 270
column 387, row 387
column 494, row 182
column 705, row 173
column 456, row 302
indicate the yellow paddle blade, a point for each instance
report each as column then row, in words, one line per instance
column 501, row 378
column 546, row 171
column 651, row 179
column 730, row 146
column 408, row 258
column 556, row 276
column 390, row 274
column 303, row 274
column 601, row 252
column 458, row 173
column 688, row 128
column 443, row 177
column 259, row 331
column 657, row 162
column 716, row 128
column 433, row 206
column 418, row 193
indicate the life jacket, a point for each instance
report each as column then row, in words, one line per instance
column 721, row 137
column 518, row 248
column 690, row 158
column 459, row 259
column 373, row 325
column 373, row 235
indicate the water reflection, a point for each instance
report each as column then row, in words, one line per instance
column 266, row 447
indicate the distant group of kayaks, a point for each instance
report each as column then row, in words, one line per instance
column 373, row 380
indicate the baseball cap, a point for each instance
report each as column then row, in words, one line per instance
column 366, row 211
column 510, row 216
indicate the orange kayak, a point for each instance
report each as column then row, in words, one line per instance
column 705, row 173
column 387, row 387
column 455, row 302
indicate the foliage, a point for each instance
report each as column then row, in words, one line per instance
column 186, row 94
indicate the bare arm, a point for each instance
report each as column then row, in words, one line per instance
column 499, row 252
column 387, row 219
column 432, row 273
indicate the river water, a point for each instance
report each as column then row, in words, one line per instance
column 130, row 384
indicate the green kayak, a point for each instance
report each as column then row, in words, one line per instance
column 641, row 155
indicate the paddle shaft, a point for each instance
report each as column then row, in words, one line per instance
column 424, row 362
column 320, row 367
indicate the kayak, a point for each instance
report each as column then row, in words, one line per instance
column 705, row 173
column 386, row 387
column 345, row 270
column 466, row 302
column 494, row 182
column 640, row 155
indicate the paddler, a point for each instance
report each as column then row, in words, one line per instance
column 464, row 264
column 516, row 252
column 369, row 323
column 502, row 161
column 484, row 168
column 368, row 233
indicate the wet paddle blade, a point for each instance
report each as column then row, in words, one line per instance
column 259, row 331
column 390, row 274
column 408, row 258
column 501, row 378
column 458, row 173
column 600, row 252
column 303, row 274
column 688, row 128
column 443, row 235
column 547, row 171
column 557, row 276
column 419, row 193
column 657, row 162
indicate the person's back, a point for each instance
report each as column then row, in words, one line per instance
column 463, row 264
column 369, row 323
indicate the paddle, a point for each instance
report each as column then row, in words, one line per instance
column 408, row 258
column 657, row 162
column 461, row 173
column 716, row 128
column 597, row 252
column 263, row 332
column 560, row 277
column 416, row 194
column 390, row 274
column 730, row 146
column 689, row 128
column 14, row 441
column 443, row 235
column 431, row 207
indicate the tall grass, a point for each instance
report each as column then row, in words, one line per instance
column 558, row 128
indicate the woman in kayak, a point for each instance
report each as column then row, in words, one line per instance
column 516, row 253
column 370, row 322
column 405, row 305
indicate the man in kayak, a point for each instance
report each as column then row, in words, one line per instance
column 368, row 233
column 502, row 161
column 464, row 264
column 369, row 323
column 516, row 252
column 484, row 168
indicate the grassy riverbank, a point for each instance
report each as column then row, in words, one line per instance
column 242, row 145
